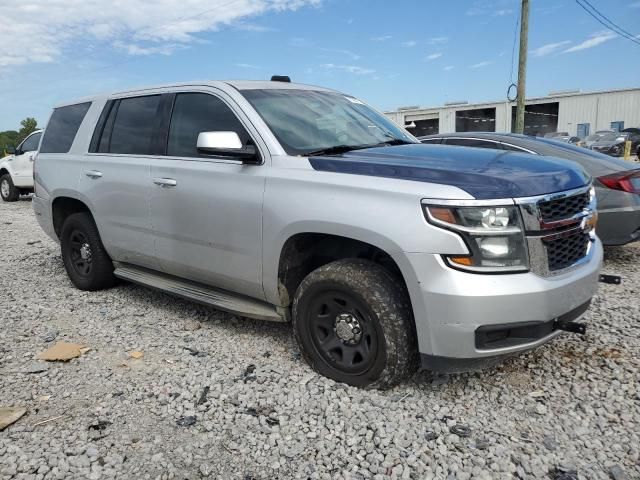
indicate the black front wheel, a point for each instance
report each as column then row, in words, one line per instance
column 8, row 190
column 86, row 261
column 353, row 322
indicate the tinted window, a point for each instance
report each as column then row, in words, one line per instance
column 134, row 125
column 31, row 143
column 470, row 142
column 431, row 140
column 199, row 112
column 62, row 128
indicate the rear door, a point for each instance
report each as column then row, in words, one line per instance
column 116, row 180
column 206, row 211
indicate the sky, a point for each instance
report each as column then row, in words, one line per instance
column 388, row 53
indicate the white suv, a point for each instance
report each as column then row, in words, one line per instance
column 16, row 170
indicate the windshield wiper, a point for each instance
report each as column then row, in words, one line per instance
column 396, row 141
column 336, row 149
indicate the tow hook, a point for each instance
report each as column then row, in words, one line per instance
column 573, row 327
column 612, row 279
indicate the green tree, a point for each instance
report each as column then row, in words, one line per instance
column 29, row 125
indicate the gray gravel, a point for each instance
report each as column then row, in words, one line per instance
column 194, row 407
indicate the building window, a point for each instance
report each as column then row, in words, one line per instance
column 583, row 130
column 617, row 126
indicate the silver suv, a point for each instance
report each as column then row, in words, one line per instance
column 288, row 202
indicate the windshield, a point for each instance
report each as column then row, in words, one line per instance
column 308, row 121
column 607, row 137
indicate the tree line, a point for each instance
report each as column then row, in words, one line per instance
column 10, row 139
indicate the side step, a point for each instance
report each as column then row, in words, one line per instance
column 228, row 301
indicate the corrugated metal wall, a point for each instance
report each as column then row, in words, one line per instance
column 597, row 109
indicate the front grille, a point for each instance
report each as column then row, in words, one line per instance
column 553, row 210
column 565, row 251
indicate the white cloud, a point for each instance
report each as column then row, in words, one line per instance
column 349, row 68
column 448, row 67
column 481, row 64
column 433, row 56
column 247, row 65
column 594, row 40
column 40, row 30
column 502, row 13
column 410, row 43
column 382, row 38
column 549, row 48
column 438, row 40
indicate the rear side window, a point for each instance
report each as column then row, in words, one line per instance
column 470, row 142
column 431, row 140
column 506, row 146
column 31, row 143
column 134, row 126
column 62, row 128
column 199, row 112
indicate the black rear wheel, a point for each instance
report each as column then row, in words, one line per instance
column 86, row 261
column 353, row 322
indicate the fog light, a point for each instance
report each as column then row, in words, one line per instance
column 494, row 247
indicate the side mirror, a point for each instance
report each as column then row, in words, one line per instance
column 227, row 144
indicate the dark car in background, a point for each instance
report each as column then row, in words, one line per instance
column 613, row 143
column 617, row 181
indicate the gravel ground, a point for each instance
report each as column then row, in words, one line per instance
column 222, row 397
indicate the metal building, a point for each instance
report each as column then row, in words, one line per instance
column 574, row 112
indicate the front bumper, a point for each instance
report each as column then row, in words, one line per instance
column 455, row 304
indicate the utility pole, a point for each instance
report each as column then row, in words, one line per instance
column 522, row 65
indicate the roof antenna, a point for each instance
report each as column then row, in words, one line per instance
column 281, row 78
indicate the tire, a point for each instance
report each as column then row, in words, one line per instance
column 8, row 190
column 353, row 322
column 86, row 261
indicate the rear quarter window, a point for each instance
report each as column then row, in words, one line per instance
column 63, row 127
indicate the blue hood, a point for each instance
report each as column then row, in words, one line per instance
column 482, row 172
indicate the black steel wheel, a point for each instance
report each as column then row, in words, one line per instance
column 343, row 331
column 353, row 322
column 85, row 259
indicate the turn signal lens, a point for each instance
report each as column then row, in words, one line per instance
column 462, row 261
column 443, row 214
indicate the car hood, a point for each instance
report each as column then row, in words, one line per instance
column 483, row 173
column 606, row 144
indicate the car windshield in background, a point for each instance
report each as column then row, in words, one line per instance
column 308, row 122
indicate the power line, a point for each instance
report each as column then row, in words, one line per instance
column 603, row 20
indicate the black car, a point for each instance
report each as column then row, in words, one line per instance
column 613, row 143
column 617, row 182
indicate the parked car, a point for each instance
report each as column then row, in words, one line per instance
column 556, row 134
column 617, row 182
column 285, row 202
column 614, row 143
column 589, row 140
column 16, row 169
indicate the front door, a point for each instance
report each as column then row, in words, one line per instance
column 206, row 211
column 23, row 160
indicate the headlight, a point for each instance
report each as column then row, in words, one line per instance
column 493, row 234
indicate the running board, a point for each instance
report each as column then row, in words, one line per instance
column 227, row 301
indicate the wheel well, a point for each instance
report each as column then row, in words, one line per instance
column 63, row 207
column 304, row 252
column 3, row 171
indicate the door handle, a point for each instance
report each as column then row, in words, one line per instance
column 165, row 182
column 93, row 174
